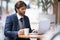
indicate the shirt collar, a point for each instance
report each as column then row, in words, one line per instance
column 19, row 16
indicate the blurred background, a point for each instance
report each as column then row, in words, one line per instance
column 38, row 11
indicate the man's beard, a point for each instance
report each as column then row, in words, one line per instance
column 21, row 14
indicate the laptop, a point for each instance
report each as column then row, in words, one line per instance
column 44, row 26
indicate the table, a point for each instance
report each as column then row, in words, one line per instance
column 30, row 36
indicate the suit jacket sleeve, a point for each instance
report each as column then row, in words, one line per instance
column 8, row 28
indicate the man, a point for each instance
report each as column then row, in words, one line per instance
column 16, row 23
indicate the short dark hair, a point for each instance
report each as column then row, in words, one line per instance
column 19, row 4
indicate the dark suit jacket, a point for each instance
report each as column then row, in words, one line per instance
column 12, row 27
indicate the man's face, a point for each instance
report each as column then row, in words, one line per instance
column 21, row 10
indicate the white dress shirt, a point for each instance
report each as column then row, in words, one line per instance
column 21, row 24
column 19, row 16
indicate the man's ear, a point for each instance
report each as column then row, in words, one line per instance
column 17, row 10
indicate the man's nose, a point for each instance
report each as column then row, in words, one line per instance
column 24, row 10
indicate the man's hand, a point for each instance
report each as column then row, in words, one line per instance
column 35, row 31
column 21, row 32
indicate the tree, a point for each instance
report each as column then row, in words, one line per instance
column 7, row 1
column 46, row 4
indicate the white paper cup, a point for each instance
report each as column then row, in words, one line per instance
column 26, row 31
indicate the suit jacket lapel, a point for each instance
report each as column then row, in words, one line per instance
column 16, row 22
column 24, row 21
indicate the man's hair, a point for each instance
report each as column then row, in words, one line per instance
column 20, row 4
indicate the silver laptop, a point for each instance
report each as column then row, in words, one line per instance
column 44, row 26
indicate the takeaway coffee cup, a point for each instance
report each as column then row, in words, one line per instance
column 26, row 31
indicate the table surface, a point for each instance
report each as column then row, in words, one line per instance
column 30, row 36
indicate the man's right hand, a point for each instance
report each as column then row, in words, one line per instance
column 21, row 32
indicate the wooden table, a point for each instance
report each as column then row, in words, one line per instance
column 30, row 36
